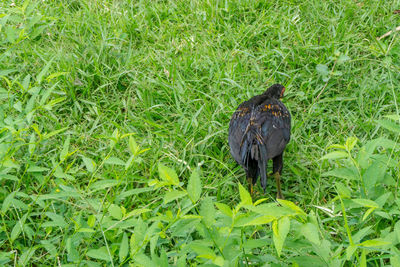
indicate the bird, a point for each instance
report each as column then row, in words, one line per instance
column 259, row 131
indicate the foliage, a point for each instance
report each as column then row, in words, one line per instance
column 113, row 118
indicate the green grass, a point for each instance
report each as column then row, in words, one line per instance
column 171, row 73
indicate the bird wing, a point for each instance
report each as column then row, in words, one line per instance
column 237, row 128
column 274, row 123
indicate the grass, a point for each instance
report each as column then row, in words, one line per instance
column 172, row 73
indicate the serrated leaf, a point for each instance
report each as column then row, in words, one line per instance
column 133, row 147
column 375, row 172
column 345, row 173
column 366, row 203
column 64, row 151
column 207, row 210
column 390, row 125
column 123, row 248
column 225, row 209
column 56, row 220
column 137, row 212
column 44, row 71
column 335, row 155
column 17, row 229
column 89, row 164
column 374, row 243
column 194, row 186
column 32, row 144
column 172, row 195
column 55, row 75
column 35, row 168
column 343, row 191
column 168, row 174
column 245, row 196
column 351, row 142
column 310, row 232
column 26, row 256
column 292, row 206
column 104, row 184
column 99, row 254
column 260, row 220
column 114, row 161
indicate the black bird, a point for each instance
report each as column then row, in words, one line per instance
column 259, row 131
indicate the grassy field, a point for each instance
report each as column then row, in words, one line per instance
column 114, row 118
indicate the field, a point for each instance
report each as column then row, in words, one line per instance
column 114, row 126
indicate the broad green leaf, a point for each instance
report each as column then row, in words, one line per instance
column 260, row 220
column 245, row 196
column 44, row 71
column 292, row 206
column 104, row 184
column 342, row 58
column 64, row 151
column 35, row 168
column 351, row 142
column 11, row 34
column 32, row 144
column 129, row 162
column 374, row 243
column 202, row 251
column 123, row 248
column 375, row 173
column 48, row 135
column 225, row 209
column 350, row 251
column 390, row 125
column 99, row 254
column 363, row 261
column 366, row 203
column 91, row 220
column 133, row 147
column 57, row 220
column 143, row 260
column 168, row 174
column 343, row 190
column 207, row 210
column 194, row 186
column 26, row 256
column 114, row 161
column 335, row 155
column 345, row 173
column 322, row 69
column 7, row 202
column 394, row 117
column 115, row 211
column 17, row 229
column 136, row 212
column 89, row 164
column 280, row 230
column 172, row 195
column 397, row 230
column 367, row 213
column 55, row 75
column 310, row 232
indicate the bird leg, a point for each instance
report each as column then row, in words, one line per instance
column 250, row 182
column 278, row 185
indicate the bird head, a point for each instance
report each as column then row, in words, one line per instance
column 275, row 91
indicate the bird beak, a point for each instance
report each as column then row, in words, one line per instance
column 283, row 90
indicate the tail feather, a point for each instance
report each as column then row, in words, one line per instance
column 253, row 149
